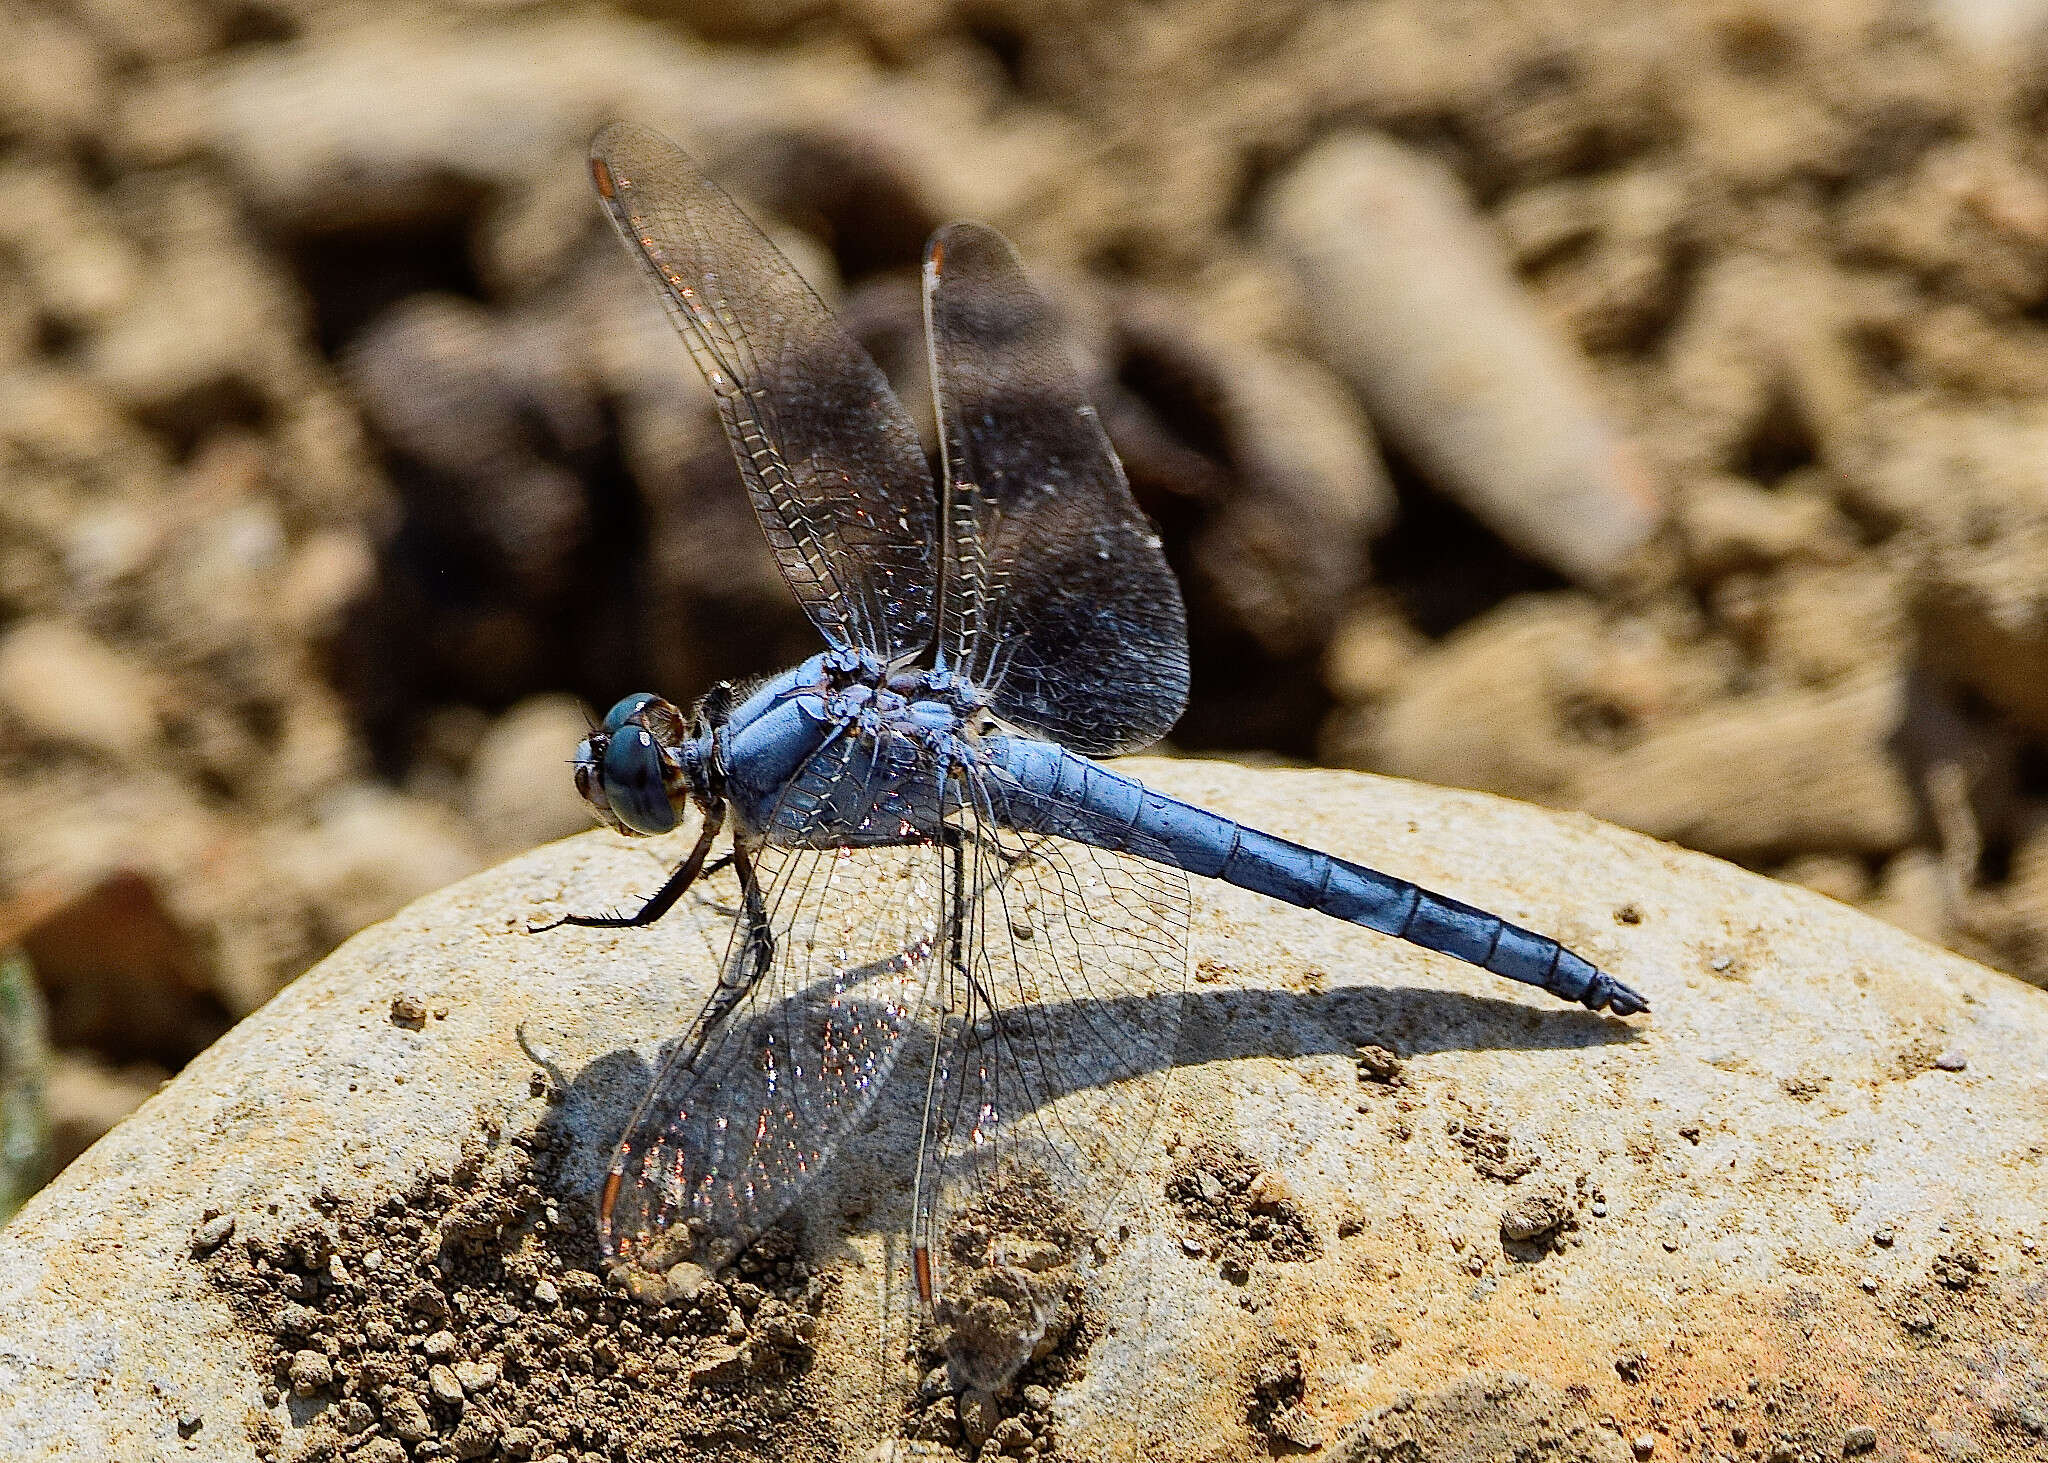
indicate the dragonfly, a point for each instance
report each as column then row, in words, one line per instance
column 941, row 888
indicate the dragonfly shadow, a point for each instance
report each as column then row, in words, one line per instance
column 592, row 1108
column 1232, row 1023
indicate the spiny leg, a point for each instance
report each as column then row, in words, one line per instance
column 757, row 953
column 760, row 938
column 686, row 874
column 955, row 839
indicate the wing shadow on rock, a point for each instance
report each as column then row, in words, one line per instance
column 1230, row 1024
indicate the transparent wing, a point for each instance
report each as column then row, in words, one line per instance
column 1059, row 1036
column 1056, row 594
column 829, row 456
column 729, row 1136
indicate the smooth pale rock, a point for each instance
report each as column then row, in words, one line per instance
column 1409, row 294
column 60, row 684
column 1723, row 1166
column 1790, row 771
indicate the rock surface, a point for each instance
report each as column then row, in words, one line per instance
column 1783, row 1220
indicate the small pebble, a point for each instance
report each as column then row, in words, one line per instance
column 406, row 1416
column 715, row 1362
column 1883, row 1238
column 353, row 1416
column 545, row 1292
column 1012, row 1435
column 296, row 1320
column 684, row 1281
column 310, row 1373
column 1861, row 1438
column 1951, row 1060
column 1644, row 1445
column 1377, row 1064
column 475, row 1436
column 380, row 1450
column 1720, row 963
column 476, row 1376
column 1295, row 1429
column 1533, row 1215
column 408, row 1009
column 212, row 1234
column 1599, row 1208
column 977, row 1412
column 441, row 1382
column 441, row 1345
column 189, row 1423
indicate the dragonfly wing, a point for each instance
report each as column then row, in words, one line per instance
column 1056, row 593
column 1058, row 1039
column 728, row 1138
column 830, row 458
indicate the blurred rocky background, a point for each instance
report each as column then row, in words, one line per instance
column 1636, row 409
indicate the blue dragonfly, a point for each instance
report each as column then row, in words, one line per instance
column 928, row 860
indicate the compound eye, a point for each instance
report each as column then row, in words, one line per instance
column 633, row 782
column 626, row 710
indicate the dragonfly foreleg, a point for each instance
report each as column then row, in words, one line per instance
column 687, row 873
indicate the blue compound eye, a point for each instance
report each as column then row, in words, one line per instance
column 626, row 710
column 633, row 783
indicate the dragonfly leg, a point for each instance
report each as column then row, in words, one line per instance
column 757, row 953
column 760, row 947
column 687, row 873
column 955, row 839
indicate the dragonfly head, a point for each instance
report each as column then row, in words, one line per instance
column 642, row 766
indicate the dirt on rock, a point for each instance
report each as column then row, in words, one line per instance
column 469, row 1318
column 473, row 1316
column 1495, row 1417
column 1238, row 1212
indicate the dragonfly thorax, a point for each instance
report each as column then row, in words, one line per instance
column 846, row 750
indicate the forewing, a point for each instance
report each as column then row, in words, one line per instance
column 724, row 1144
column 830, row 458
column 1056, row 593
column 1058, row 1042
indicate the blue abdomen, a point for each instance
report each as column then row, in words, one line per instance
column 1042, row 788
